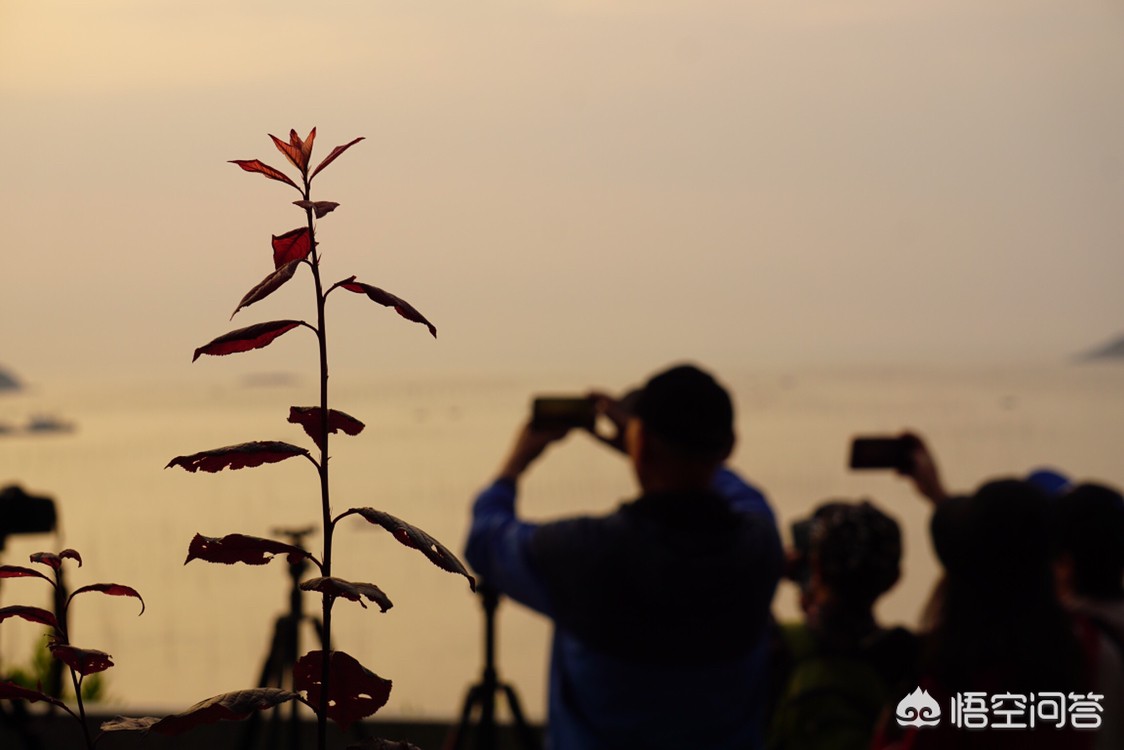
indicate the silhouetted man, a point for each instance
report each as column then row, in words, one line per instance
column 660, row 606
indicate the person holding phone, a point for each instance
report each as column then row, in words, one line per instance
column 993, row 625
column 660, row 606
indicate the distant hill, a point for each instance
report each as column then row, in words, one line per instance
column 8, row 381
column 1112, row 350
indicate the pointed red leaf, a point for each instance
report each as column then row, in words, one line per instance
column 301, row 150
column 256, row 336
column 244, row 455
column 355, row 592
column 268, row 285
column 10, row 691
column 295, row 244
column 226, row 707
column 31, row 614
column 320, row 208
column 305, row 145
column 292, row 151
column 355, row 692
column 16, row 571
column 332, row 156
column 412, row 536
column 386, row 299
column 239, row 548
column 253, row 165
column 84, row 661
column 308, row 417
column 111, row 589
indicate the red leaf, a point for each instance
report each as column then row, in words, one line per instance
column 16, row 571
column 84, row 661
column 50, row 559
column 355, row 592
column 308, row 417
column 55, row 561
column 31, row 614
column 412, row 536
column 111, row 589
column 306, row 144
column 386, row 299
column 295, row 244
column 296, row 150
column 235, row 548
column 320, row 208
column 244, row 339
column 226, row 707
column 10, row 691
column 291, row 151
column 355, row 692
column 268, row 285
column 244, row 455
column 332, row 156
column 256, row 166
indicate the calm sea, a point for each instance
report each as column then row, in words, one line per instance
column 430, row 444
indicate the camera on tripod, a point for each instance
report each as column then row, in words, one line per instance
column 21, row 513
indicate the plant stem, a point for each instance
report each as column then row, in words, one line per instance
column 81, row 709
column 325, row 500
column 64, row 634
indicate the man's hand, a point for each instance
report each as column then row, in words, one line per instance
column 616, row 413
column 922, row 470
column 529, row 445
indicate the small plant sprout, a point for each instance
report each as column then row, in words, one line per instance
column 81, row 662
column 334, row 684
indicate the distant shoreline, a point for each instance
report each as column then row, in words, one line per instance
column 1112, row 350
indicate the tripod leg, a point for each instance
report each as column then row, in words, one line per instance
column 526, row 735
column 486, row 736
column 270, row 675
column 459, row 733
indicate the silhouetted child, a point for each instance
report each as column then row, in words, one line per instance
column 835, row 673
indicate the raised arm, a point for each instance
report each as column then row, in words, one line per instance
column 498, row 541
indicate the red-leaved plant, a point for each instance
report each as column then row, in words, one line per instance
column 334, row 685
column 80, row 661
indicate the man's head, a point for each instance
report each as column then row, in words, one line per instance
column 682, row 429
column 1087, row 524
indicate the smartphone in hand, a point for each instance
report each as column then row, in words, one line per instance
column 880, row 452
column 562, row 412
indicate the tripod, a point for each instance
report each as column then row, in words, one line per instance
column 482, row 695
column 284, row 650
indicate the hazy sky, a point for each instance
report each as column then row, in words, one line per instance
column 567, row 182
